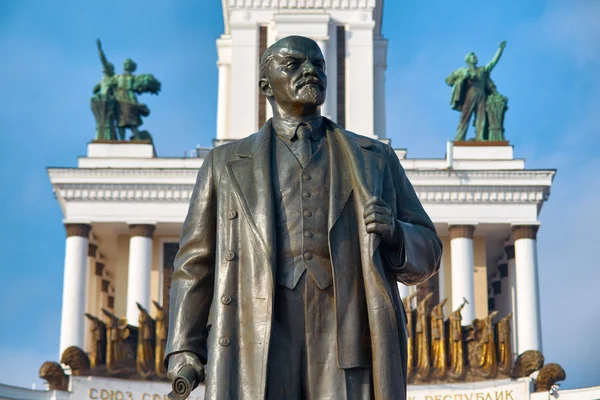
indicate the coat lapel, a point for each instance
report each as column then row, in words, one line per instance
column 251, row 177
column 354, row 167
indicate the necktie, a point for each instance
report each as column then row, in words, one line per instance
column 302, row 146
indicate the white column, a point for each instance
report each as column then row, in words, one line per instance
column 224, row 65
column 91, row 297
column 528, row 299
column 404, row 290
column 140, row 268
column 441, row 280
column 503, row 298
column 359, row 78
column 72, row 324
column 463, row 280
column 380, row 59
column 511, row 300
column 331, row 61
column 271, row 39
column 243, row 106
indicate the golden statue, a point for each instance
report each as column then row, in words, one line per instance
column 438, row 341
column 410, row 338
column 161, row 340
column 455, row 344
column 99, row 339
column 118, row 349
column 145, row 344
column 423, row 355
column 484, row 355
column 77, row 360
column 54, row 374
column 504, row 349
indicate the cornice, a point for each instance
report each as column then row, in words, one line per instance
column 59, row 175
column 482, row 194
column 302, row 4
column 159, row 193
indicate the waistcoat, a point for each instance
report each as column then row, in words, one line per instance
column 301, row 202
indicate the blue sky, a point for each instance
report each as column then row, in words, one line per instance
column 550, row 71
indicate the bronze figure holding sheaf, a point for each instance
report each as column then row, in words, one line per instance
column 115, row 104
column 474, row 94
column 285, row 283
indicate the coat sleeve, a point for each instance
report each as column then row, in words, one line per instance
column 417, row 255
column 193, row 279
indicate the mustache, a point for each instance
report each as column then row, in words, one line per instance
column 310, row 80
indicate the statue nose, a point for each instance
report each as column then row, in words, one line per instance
column 309, row 69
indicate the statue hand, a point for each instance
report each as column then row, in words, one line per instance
column 179, row 360
column 99, row 43
column 379, row 219
column 502, row 44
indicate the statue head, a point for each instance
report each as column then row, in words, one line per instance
column 471, row 59
column 109, row 69
column 129, row 65
column 292, row 75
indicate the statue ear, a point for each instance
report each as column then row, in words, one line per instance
column 265, row 87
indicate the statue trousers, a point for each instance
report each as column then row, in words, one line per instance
column 302, row 360
column 474, row 104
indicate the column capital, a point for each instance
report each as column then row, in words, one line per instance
column 497, row 287
column 99, row 269
column 525, row 231
column 82, row 230
column 503, row 269
column 461, row 231
column 510, row 252
column 92, row 248
column 144, row 230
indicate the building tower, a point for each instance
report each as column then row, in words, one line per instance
column 349, row 34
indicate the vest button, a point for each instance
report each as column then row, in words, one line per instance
column 307, row 194
column 224, row 341
column 232, row 214
column 307, row 213
column 308, row 234
column 308, row 255
column 230, row 255
column 226, row 299
column 306, row 177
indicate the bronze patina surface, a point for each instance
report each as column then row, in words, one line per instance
column 235, row 306
column 474, row 94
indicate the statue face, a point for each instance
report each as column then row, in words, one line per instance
column 129, row 65
column 471, row 59
column 297, row 78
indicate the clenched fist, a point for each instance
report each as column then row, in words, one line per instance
column 379, row 219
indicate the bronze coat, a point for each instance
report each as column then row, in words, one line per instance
column 224, row 270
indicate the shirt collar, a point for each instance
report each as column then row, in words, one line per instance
column 287, row 129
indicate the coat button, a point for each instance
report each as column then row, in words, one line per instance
column 306, row 177
column 232, row 214
column 307, row 213
column 226, row 299
column 230, row 255
column 307, row 194
column 308, row 234
column 224, row 341
column 308, row 255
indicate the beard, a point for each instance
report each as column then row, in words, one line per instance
column 311, row 94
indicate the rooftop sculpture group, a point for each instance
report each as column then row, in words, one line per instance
column 114, row 102
column 475, row 94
